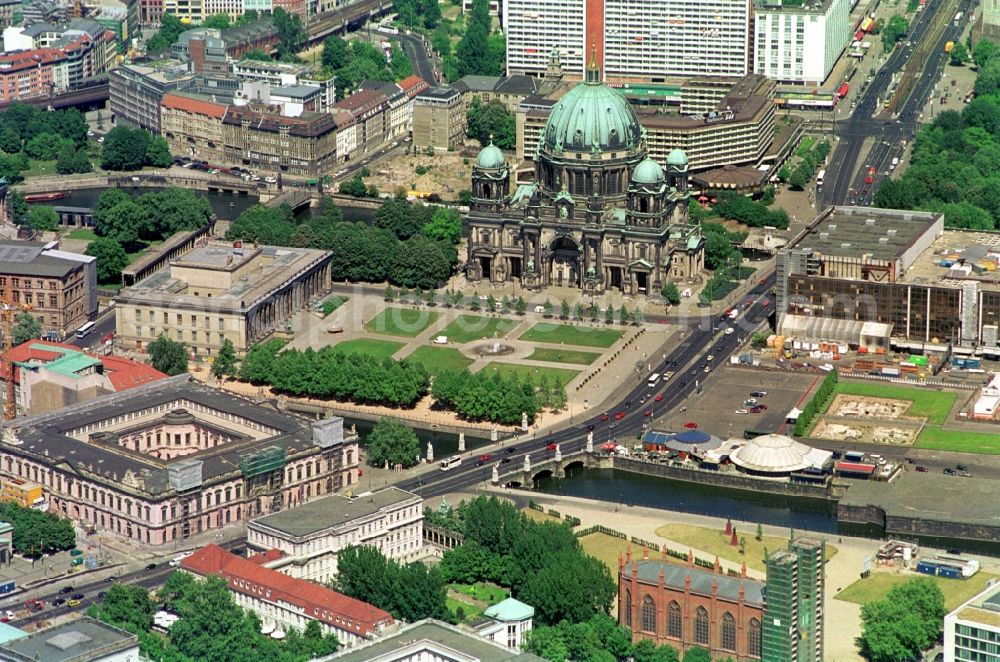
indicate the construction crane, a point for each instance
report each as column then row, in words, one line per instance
column 8, row 312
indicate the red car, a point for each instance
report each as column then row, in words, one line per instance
column 619, row 416
column 485, row 458
column 872, row 170
column 922, row 470
column 869, row 179
column 756, row 410
column 766, row 303
column 550, row 447
column 604, row 417
column 762, row 281
column 648, row 412
column 691, row 426
column 659, row 397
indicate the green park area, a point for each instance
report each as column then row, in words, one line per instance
column 378, row 349
column 436, row 359
column 564, row 334
column 466, row 328
column 472, row 599
column 959, row 441
column 533, row 373
column 406, row 322
column 877, row 585
column 715, row 542
column 559, row 355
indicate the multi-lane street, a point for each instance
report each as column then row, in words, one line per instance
column 848, row 175
column 686, row 361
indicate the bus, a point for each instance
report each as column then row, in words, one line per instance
column 85, row 330
column 819, row 179
column 450, row 462
column 654, row 379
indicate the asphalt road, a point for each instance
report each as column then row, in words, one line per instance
column 416, row 49
column 698, row 341
column 847, row 176
column 90, row 588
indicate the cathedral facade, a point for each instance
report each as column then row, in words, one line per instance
column 599, row 215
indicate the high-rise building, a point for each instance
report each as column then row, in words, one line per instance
column 793, row 603
column 635, row 40
column 800, row 44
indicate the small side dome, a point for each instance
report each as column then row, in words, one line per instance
column 490, row 157
column 677, row 157
column 648, row 172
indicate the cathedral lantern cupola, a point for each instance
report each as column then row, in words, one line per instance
column 677, row 170
column 490, row 178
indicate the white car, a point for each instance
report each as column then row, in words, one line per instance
column 270, row 180
column 101, row 140
column 10, row 614
column 742, row 411
column 729, row 330
column 710, row 357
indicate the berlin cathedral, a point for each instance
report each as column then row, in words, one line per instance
column 599, row 216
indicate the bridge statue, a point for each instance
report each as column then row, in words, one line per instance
column 461, row 442
column 524, row 421
column 430, row 452
column 496, row 473
column 527, row 464
column 590, row 441
column 558, row 454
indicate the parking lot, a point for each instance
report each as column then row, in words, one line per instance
column 725, row 392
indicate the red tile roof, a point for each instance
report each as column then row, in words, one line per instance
column 413, row 85
column 126, row 373
column 123, row 373
column 325, row 605
column 192, row 105
column 262, row 558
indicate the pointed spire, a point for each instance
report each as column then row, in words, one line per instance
column 743, row 569
column 717, row 567
column 593, row 69
column 663, row 553
column 645, row 552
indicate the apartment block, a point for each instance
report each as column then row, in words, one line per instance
column 260, row 137
column 438, row 119
column 793, row 611
column 800, row 44
column 632, row 40
column 192, row 126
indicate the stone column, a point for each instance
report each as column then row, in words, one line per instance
column 461, row 442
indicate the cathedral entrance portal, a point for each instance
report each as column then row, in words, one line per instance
column 616, row 277
column 565, row 264
column 486, row 266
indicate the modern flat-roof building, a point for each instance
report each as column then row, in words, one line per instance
column 800, row 44
column 59, row 287
column 220, row 291
column 687, row 606
column 858, row 275
column 432, row 640
column 135, row 92
column 972, row 630
column 634, row 40
column 83, row 640
column 283, row 602
column 794, row 614
column 438, row 119
column 173, row 458
column 311, row 536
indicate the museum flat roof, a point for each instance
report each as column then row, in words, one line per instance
column 930, row 497
column 330, row 512
column 884, row 234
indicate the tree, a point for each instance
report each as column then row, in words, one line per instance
column 225, row 361
column 45, row 146
column 410, row 592
column 798, row 179
column 893, row 31
column 158, row 153
column 564, row 309
column 291, row 35
column 26, row 327
column 354, row 187
column 10, row 140
column 258, row 54
column 128, row 606
column 445, row 225
column 391, row 441
column 217, row 21
column 422, row 262
column 671, row 294
column 43, row 218
column 983, row 52
column 335, row 51
column 120, row 222
column 401, row 217
column 491, row 123
column 168, row 356
column 111, row 259
column 697, row 654
column 125, row 148
column 72, row 161
column 264, row 225
column 959, row 54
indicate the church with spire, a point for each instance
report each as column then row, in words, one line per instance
column 599, row 214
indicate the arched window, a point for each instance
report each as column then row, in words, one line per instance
column 628, row 608
column 728, row 632
column 643, row 205
column 674, row 620
column 753, row 638
column 701, row 626
column 648, row 614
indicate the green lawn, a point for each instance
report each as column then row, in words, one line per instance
column 332, row 304
column 81, row 234
column 378, row 349
column 563, row 334
column 466, row 328
column 927, row 403
column 959, row 441
column 36, row 168
column 956, row 591
column 559, row 355
column 562, row 375
column 436, row 359
column 470, row 611
column 606, row 549
column 714, row 542
column 407, row 322
column 484, row 591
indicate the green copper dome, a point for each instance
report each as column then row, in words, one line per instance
column 648, row 172
column 592, row 117
column 677, row 157
column 490, row 157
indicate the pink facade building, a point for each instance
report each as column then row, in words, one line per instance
column 175, row 458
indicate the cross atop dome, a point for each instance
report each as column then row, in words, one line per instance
column 593, row 69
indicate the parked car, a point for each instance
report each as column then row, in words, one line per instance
column 72, row 602
column 151, row 566
column 58, row 602
column 510, row 449
column 742, row 411
column 65, row 589
column 948, row 471
column 961, row 467
column 78, row 596
column 922, row 469
column 758, row 394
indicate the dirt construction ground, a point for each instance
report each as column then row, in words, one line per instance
column 447, row 174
